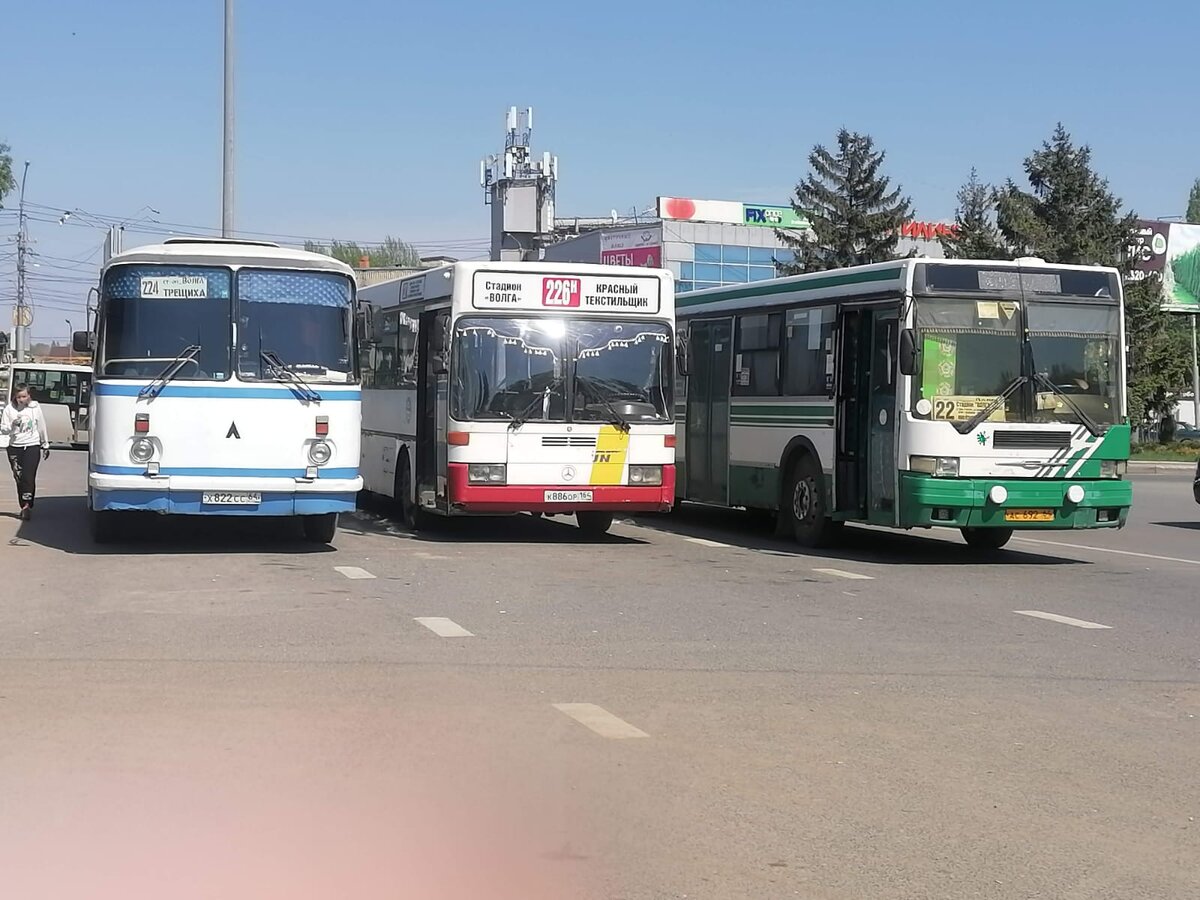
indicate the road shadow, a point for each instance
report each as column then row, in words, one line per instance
column 61, row 523
column 753, row 531
column 379, row 516
column 1190, row 526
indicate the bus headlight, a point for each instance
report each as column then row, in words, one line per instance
column 1112, row 468
column 938, row 466
column 645, row 474
column 487, row 473
column 141, row 450
column 319, row 452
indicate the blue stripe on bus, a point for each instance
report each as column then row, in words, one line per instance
column 347, row 472
column 187, row 503
column 204, row 392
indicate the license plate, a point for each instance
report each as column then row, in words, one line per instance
column 567, row 497
column 231, row 498
column 1029, row 515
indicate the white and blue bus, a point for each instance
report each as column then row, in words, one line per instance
column 225, row 383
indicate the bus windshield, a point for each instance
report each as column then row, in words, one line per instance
column 302, row 319
column 971, row 353
column 150, row 314
column 582, row 369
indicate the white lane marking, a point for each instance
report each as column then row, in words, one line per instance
column 1190, row 562
column 1053, row 617
column 843, row 574
column 443, row 627
column 705, row 542
column 600, row 720
column 353, row 572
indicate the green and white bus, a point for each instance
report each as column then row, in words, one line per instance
column 984, row 396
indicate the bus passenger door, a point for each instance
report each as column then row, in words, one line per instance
column 706, row 449
column 881, row 424
column 853, row 411
column 432, row 384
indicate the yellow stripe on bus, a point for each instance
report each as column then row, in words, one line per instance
column 608, row 462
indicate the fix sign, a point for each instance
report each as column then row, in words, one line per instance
column 588, row 293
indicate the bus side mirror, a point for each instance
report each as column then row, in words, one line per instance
column 439, row 344
column 81, row 342
column 681, row 357
column 368, row 324
column 908, row 352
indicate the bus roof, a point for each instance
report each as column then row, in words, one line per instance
column 876, row 278
column 209, row 251
column 438, row 282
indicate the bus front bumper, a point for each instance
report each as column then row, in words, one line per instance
column 511, row 498
column 1034, row 503
column 184, row 495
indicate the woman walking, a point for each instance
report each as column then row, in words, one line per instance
column 22, row 423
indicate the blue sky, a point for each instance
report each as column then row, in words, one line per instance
column 371, row 118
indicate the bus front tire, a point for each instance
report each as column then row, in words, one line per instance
column 594, row 524
column 320, row 529
column 103, row 526
column 806, row 506
column 986, row 539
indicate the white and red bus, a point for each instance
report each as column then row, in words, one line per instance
column 505, row 387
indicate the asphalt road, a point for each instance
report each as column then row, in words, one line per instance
column 689, row 709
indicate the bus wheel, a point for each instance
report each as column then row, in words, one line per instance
column 805, row 505
column 320, row 529
column 103, row 526
column 413, row 516
column 594, row 524
column 986, row 538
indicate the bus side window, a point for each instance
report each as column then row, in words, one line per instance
column 808, row 343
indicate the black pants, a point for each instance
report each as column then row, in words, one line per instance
column 24, row 462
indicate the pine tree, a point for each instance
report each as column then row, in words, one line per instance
column 1159, row 357
column 854, row 214
column 976, row 236
column 1069, row 215
column 1193, row 207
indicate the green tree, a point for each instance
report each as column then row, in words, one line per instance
column 390, row 252
column 7, row 182
column 1159, row 356
column 1069, row 215
column 977, row 236
column 1193, row 207
column 854, row 213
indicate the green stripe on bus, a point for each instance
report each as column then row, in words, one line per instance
column 770, row 288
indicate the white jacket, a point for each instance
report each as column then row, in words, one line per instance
column 23, row 427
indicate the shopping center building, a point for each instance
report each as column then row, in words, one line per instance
column 708, row 243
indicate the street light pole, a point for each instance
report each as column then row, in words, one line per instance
column 227, row 152
column 21, row 314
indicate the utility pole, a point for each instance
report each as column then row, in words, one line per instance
column 22, row 315
column 227, row 152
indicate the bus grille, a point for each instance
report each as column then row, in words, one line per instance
column 1040, row 440
column 568, row 440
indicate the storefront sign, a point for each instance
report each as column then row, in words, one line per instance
column 773, row 217
column 634, row 247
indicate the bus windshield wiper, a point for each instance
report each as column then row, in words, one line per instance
column 173, row 368
column 1084, row 419
column 973, row 422
column 280, row 372
column 543, row 396
column 615, row 418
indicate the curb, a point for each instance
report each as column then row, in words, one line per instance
column 1160, row 468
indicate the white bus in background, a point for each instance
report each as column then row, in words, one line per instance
column 62, row 390
column 496, row 388
column 225, row 384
